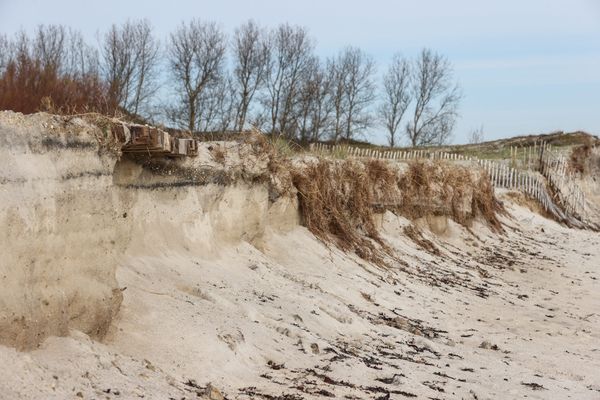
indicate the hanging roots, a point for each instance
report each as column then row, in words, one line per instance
column 339, row 198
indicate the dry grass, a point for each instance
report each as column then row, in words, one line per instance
column 417, row 236
column 339, row 198
column 384, row 183
column 218, row 153
column 580, row 158
column 529, row 202
column 277, row 154
column 282, row 146
column 486, row 204
column 454, row 191
column 336, row 203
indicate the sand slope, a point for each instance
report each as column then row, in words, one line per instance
column 491, row 318
column 219, row 285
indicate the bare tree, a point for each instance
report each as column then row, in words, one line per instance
column 50, row 46
column 196, row 57
column 436, row 98
column 335, row 76
column 227, row 105
column 21, row 46
column 307, row 94
column 251, row 54
column 63, row 50
column 55, row 49
column 145, row 73
column 476, row 136
column 54, row 71
column 217, row 103
column 314, row 107
column 322, row 108
column 82, row 59
column 6, row 52
column 291, row 58
column 353, row 92
column 396, row 96
column 130, row 62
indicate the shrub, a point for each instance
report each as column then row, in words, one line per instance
column 27, row 86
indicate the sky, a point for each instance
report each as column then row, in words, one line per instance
column 525, row 67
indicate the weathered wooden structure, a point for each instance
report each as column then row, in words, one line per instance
column 143, row 139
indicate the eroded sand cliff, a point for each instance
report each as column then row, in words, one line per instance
column 138, row 278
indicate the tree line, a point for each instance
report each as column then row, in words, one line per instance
column 201, row 79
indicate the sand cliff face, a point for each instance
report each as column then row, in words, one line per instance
column 72, row 212
column 74, row 209
column 62, row 230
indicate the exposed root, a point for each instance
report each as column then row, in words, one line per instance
column 438, row 189
column 486, row 204
column 339, row 198
column 416, row 236
column 336, row 202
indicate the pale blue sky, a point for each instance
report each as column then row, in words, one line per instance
column 524, row 66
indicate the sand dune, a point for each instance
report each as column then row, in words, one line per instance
column 160, row 290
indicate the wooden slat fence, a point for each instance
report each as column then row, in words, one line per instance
column 544, row 178
column 554, row 166
column 395, row 154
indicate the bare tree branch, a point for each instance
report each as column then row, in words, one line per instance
column 291, row 57
column 436, row 100
column 217, row 103
column 196, row 57
column 82, row 59
column 335, row 76
column 6, row 52
column 49, row 45
column 251, row 54
column 396, row 96
column 353, row 92
column 315, row 106
column 130, row 61
column 476, row 136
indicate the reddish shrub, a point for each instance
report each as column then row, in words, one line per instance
column 27, row 86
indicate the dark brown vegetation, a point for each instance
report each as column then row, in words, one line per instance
column 581, row 158
column 437, row 189
column 339, row 199
column 336, row 203
column 55, row 70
